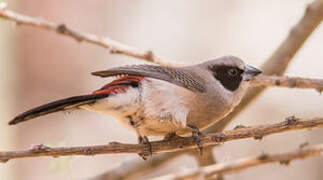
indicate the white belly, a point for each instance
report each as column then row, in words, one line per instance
column 156, row 108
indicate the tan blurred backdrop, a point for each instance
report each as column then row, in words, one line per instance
column 38, row 66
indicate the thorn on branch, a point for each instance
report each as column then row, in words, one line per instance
column 258, row 136
column 219, row 137
column 292, row 120
column 114, row 50
column 319, row 90
column 284, row 162
column 277, row 82
column 114, row 143
column 40, row 148
column 305, row 144
column 149, row 55
column 239, row 127
column 292, row 83
column 263, row 157
column 61, row 28
column 4, row 160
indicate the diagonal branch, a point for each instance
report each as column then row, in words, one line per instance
column 115, row 47
column 134, row 168
column 173, row 145
column 241, row 164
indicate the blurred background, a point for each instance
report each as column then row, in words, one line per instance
column 38, row 66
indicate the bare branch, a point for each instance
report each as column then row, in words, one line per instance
column 290, row 82
column 176, row 144
column 115, row 47
column 241, row 164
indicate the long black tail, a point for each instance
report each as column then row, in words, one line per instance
column 60, row 105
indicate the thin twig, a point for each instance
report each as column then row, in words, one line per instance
column 241, row 164
column 289, row 82
column 115, row 47
column 176, row 144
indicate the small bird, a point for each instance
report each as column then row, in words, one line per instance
column 160, row 100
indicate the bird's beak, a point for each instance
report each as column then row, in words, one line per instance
column 250, row 72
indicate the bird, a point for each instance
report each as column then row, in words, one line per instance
column 165, row 101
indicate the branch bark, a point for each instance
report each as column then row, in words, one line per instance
column 241, row 164
column 113, row 46
column 173, row 145
column 289, row 82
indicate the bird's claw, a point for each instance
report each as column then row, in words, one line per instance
column 145, row 140
column 196, row 134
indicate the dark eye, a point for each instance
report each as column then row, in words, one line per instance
column 233, row 72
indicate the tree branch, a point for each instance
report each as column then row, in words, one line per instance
column 177, row 144
column 241, row 164
column 206, row 160
column 115, row 47
column 135, row 168
column 289, row 82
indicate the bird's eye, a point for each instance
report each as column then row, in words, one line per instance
column 233, row 72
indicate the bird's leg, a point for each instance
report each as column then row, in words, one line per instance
column 196, row 134
column 145, row 140
column 141, row 139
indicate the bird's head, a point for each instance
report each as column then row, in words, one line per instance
column 228, row 71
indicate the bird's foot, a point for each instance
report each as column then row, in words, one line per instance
column 145, row 140
column 196, row 134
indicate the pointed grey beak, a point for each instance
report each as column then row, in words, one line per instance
column 250, row 72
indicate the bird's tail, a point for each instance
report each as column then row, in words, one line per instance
column 60, row 105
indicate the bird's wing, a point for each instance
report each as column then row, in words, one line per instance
column 178, row 76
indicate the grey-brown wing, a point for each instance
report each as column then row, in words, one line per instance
column 178, row 76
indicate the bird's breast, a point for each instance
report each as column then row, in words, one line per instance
column 164, row 105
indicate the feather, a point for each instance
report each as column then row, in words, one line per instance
column 60, row 105
column 177, row 76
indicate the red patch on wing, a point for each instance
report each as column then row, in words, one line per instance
column 120, row 85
